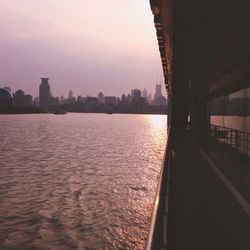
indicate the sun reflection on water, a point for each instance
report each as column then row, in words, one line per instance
column 157, row 123
column 158, row 120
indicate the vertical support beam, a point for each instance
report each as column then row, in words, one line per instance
column 202, row 120
column 180, row 95
column 179, row 105
column 199, row 118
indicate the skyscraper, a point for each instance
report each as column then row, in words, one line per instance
column 19, row 97
column 157, row 91
column 132, row 93
column 159, row 98
column 44, row 93
column 145, row 93
column 100, row 98
column 71, row 94
column 71, row 98
column 22, row 100
column 135, row 93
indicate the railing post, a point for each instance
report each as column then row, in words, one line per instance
column 231, row 141
column 247, row 149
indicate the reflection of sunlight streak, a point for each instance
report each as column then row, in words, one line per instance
column 158, row 125
column 158, row 120
column 154, row 150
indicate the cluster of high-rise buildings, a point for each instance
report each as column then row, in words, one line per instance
column 136, row 100
column 46, row 99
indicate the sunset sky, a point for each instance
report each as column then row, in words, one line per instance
column 86, row 46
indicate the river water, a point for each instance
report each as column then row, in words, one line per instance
column 78, row 181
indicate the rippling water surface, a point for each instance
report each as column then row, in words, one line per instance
column 78, row 181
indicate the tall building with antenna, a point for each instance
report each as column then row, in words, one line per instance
column 157, row 91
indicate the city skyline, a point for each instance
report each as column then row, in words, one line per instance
column 71, row 94
column 117, row 52
column 75, row 95
column 137, row 101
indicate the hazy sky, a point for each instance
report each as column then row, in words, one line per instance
column 87, row 46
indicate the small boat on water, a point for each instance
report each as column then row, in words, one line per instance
column 60, row 112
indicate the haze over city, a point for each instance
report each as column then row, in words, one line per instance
column 86, row 46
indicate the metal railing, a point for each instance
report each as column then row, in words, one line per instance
column 236, row 139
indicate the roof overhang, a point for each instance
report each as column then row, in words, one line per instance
column 206, row 40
